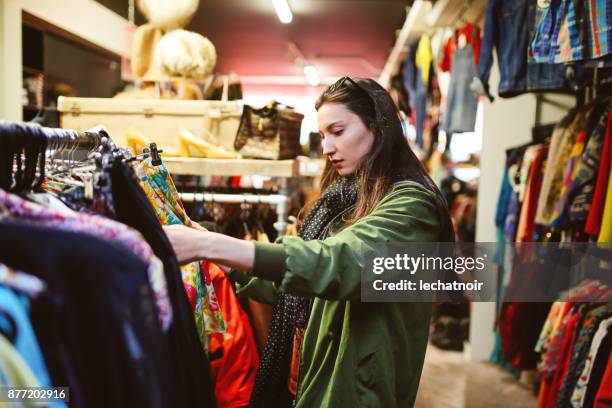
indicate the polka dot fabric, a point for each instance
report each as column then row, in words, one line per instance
column 291, row 312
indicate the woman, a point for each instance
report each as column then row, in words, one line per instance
column 374, row 189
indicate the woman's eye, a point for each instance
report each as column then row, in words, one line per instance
column 338, row 132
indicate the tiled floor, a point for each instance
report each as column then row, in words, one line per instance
column 449, row 381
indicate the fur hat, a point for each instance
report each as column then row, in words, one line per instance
column 168, row 14
column 144, row 41
column 185, row 54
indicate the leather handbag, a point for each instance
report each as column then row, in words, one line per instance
column 272, row 132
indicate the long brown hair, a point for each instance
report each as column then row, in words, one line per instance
column 391, row 158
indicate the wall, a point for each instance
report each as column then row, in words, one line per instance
column 84, row 18
column 507, row 123
column 10, row 60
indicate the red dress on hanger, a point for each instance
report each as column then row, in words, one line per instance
column 234, row 357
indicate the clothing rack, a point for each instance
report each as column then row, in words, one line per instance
column 280, row 201
column 27, row 149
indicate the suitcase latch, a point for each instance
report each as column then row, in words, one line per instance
column 75, row 109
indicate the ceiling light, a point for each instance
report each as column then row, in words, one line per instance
column 283, row 11
column 312, row 75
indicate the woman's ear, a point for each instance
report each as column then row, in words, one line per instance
column 374, row 129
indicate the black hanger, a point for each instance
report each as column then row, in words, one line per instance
column 155, row 157
column 7, row 148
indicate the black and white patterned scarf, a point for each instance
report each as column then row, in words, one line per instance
column 291, row 312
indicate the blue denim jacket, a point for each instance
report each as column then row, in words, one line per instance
column 587, row 26
column 508, row 27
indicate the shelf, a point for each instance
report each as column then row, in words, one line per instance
column 311, row 167
column 232, row 167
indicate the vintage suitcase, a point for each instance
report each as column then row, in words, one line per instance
column 158, row 119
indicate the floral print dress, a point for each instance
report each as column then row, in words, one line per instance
column 162, row 193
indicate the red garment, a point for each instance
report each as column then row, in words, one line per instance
column 604, row 394
column 472, row 36
column 549, row 399
column 526, row 225
column 593, row 222
column 234, row 371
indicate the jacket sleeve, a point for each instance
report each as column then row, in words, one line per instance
column 331, row 268
column 258, row 289
column 490, row 39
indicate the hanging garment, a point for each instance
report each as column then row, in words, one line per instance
column 569, row 174
column 101, row 312
column 594, row 219
column 234, row 371
column 509, row 25
column 190, row 370
column 580, row 351
column 557, row 173
column 526, row 224
column 417, row 92
column 549, row 398
column 569, row 30
column 552, row 342
column 461, row 106
column 552, row 320
column 505, row 192
column 14, row 309
column 99, row 227
column 514, row 207
column 423, row 58
column 519, row 328
column 579, row 393
column 14, row 371
column 585, row 152
column 605, row 234
column 549, row 182
column 161, row 192
column 580, row 193
column 471, row 33
column 601, row 395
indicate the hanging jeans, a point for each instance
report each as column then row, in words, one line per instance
column 417, row 92
column 460, row 115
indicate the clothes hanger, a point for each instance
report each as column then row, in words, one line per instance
column 23, row 282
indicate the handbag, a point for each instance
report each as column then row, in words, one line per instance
column 272, row 132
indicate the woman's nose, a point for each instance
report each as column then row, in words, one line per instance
column 328, row 146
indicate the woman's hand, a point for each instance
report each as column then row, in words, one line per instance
column 195, row 225
column 187, row 242
column 191, row 244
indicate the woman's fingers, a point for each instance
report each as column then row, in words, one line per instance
column 195, row 225
column 185, row 242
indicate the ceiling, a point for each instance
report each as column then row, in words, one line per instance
column 339, row 37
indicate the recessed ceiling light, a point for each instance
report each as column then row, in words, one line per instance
column 312, row 75
column 283, row 11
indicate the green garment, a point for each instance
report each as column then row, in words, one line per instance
column 15, row 372
column 354, row 354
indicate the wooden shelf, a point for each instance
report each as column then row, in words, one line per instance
column 311, row 167
column 232, row 167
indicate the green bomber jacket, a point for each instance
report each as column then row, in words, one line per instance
column 354, row 354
